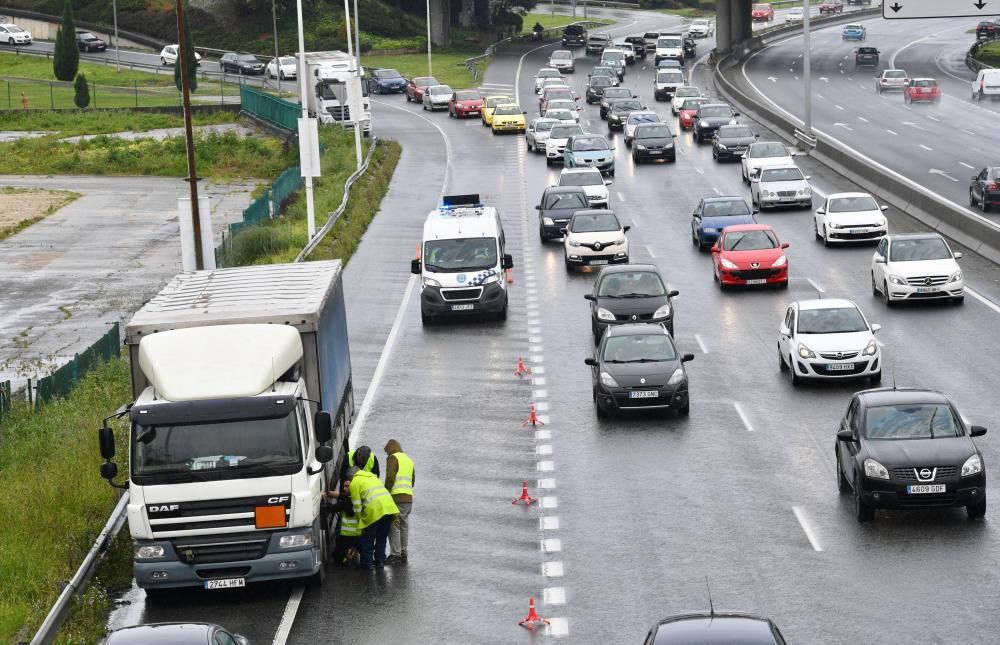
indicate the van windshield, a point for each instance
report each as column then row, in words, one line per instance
column 462, row 254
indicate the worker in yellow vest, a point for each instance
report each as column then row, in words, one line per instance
column 349, row 534
column 400, row 476
column 363, row 458
column 375, row 510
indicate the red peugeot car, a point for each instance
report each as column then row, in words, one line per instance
column 415, row 87
column 762, row 12
column 465, row 103
column 750, row 254
column 922, row 89
column 688, row 109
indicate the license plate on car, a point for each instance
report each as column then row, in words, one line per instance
column 225, row 583
column 918, row 489
column 595, row 262
column 840, row 367
column 643, row 394
column 654, row 152
column 462, row 307
column 926, row 290
column 757, row 281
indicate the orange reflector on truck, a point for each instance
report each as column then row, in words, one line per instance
column 270, row 517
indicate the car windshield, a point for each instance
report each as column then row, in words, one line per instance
column 560, row 104
column 560, row 114
column 761, row 7
column 670, row 77
column 494, row 101
column 781, row 174
column 618, row 93
column 14, row 29
column 589, row 178
column 631, row 284
column 916, row 250
column 573, row 29
column 626, row 106
column 722, row 111
column 556, row 95
column 594, row 223
column 738, row 132
column 852, row 204
column 461, row 254
column 766, row 150
column 507, row 110
column 749, row 241
column 425, row 81
column 687, row 91
column 641, row 348
column 589, row 143
column 383, row 73
column 565, row 131
column 835, row 320
column 467, row 95
column 247, row 58
column 895, row 73
column 726, row 208
column 700, row 22
column 616, row 57
column 653, row 132
column 667, row 43
column 600, row 81
column 643, row 117
column 544, row 126
column 87, row 36
column 692, row 104
column 925, row 83
column 914, row 421
column 650, row 36
column 561, row 54
column 558, row 201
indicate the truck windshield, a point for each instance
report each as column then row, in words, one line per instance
column 464, row 254
column 333, row 90
column 216, row 450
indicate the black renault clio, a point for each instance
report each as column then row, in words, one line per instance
column 909, row 449
column 629, row 293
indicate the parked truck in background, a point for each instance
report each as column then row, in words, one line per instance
column 243, row 401
column 336, row 91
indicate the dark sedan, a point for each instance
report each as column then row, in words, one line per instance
column 619, row 112
column 731, row 141
column 637, row 367
column 556, row 209
column 88, row 42
column 712, row 628
column 866, row 57
column 596, row 87
column 909, row 449
column 984, row 191
column 238, row 63
column 710, row 117
column 611, row 95
column 653, row 141
column 386, row 81
column 175, row 634
column 638, row 44
column 629, row 293
column 714, row 214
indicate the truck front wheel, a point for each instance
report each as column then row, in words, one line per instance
column 319, row 577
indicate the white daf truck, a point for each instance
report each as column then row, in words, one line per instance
column 336, row 92
column 243, row 403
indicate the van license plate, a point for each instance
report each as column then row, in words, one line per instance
column 462, row 307
column 918, row 489
column 643, row 394
column 225, row 583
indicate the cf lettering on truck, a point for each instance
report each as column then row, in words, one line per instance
column 337, row 93
column 243, row 402
column 463, row 260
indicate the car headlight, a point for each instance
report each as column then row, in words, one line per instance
column 972, row 466
column 703, row 123
column 604, row 314
column 830, row 224
column 882, row 223
column 805, row 192
column 875, row 470
column 676, row 377
column 956, row 278
column 668, row 146
column 805, row 352
column 152, row 551
column 574, row 243
column 490, row 279
column 608, row 381
column 619, row 241
column 639, row 147
column 870, row 348
column 431, row 282
column 548, row 221
column 663, row 311
column 780, row 262
column 295, row 541
column 768, row 193
column 895, row 279
column 727, row 263
column 722, row 147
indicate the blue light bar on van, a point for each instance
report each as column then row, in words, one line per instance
column 456, row 201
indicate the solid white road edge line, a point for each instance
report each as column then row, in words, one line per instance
column 288, row 618
column 807, row 528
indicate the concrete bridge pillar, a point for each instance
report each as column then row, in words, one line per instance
column 440, row 22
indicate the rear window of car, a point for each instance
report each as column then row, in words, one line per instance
column 670, row 77
column 467, row 95
column 573, row 30
column 895, row 73
column 925, row 83
column 564, row 131
column 725, row 208
column 425, row 81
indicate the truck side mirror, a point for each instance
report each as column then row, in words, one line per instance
column 322, row 426
column 109, row 470
column 324, row 454
column 415, row 266
column 508, row 261
column 106, row 438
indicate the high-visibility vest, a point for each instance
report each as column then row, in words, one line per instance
column 349, row 525
column 371, row 500
column 403, row 485
column 368, row 464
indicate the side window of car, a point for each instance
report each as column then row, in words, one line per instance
column 791, row 320
column 223, row 638
column 852, row 416
column 982, row 175
column 880, row 249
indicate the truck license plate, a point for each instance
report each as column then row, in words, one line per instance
column 643, row 394
column 225, row 583
column 840, row 367
column 918, row 489
column 757, row 281
column 462, row 307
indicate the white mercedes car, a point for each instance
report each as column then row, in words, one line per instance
column 780, row 186
column 592, row 182
column 919, row 266
column 828, row 339
column 850, row 217
column 595, row 238
column 764, row 154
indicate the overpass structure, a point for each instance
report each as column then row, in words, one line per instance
column 733, row 25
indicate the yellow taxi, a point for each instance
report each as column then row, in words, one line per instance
column 508, row 117
column 490, row 103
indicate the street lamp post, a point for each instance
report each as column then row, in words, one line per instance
column 429, row 72
column 357, row 36
column 806, row 71
column 277, row 61
column 114, row 11
column 303, row 89
column 355, row 104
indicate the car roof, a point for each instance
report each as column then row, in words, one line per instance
column 923, row 78
column 563, row 189
column 836, row 195
column 722, row 198
column 161, row 634
column 902, row 395
column 717, row 628
column 627, row 268
column 594, row 211
column 639, row 329
column 461, row 221
column 748, row 227
column 825, row 303
column 916, row 236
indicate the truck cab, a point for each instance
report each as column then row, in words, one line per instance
column 337, row 89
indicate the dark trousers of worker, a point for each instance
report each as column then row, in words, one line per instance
column 341, row 552
column 373, row 541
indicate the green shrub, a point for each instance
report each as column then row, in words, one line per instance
column 81, row 91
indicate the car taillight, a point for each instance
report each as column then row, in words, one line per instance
column 992, row 186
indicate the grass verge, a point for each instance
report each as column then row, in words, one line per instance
column 550, row 21
column 40, row 68
column 58, row 504
column 83, row 122
column 448, row 64
column 55, row 199
column 990, row 54
column 281, row 239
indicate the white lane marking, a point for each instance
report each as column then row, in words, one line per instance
column 649, row 250
column 552, row 545
column 554, row 596
column 620, row 196
column 699, row 170
column 549, row 502
column 541, row 394
column 701, row 343
column 288, row 617
column 932, row 117
column 895, row 134
column 962, row 163
column 743, row 417
column 548, row 523
column 544, row 450
column 983, row 299
column 970, row 132
column 543, row 435
column 557, row 627
column 815, row 286
column 520, row 64
column 839, row 107
column 929, row 149
column 546, row 484
column 717, row 191
column 800, row 515
column 552, row 569
column 861, row 118
column 546, row 466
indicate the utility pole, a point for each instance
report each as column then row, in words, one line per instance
column 189, row 135
column 304, row 97
column 277, row 60
column 806, row 71
column 354, row 105
column 429, row 72
column 357, row 36
column 114, row 10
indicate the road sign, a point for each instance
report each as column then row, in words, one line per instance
column 901, row 9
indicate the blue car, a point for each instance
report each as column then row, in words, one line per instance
column 716, row 213
column 386, row 81
column 589, row 150
column 853, row 32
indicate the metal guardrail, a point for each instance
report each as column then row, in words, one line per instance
column 597, row 3
column 974, row 63
column 472, row 64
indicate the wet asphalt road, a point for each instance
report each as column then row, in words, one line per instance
column 646, row 508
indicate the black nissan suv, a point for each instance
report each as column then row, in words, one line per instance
column 574, row 36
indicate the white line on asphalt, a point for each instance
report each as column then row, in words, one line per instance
column 970, row 132
column 861, row 118
column 815, row 286
column 962, row 163
column 839, row 107
column 546, row 466
column 545, row 450
column 620, row 196
column 807, row 527
column 549, row 502
column 983, row 299
column 699, row 170
column 552, row 569
column 717, row 191
column 544, row 484
column 288, row 618
column 743, row 417
column 649, row 250
column 552, row 545
column 554, row 596
column 548, row 523
column 892, row 133
column 701, row 343
column 557, row 627
column 932, row 118
column 927, row 148
column 543, row 435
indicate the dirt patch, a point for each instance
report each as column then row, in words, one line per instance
column 22, row 207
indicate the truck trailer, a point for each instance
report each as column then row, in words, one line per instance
column 243, row 402
column 336, row 92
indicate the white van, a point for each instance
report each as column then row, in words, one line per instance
column 669, row 45
column 463, row 260
column 987, row 84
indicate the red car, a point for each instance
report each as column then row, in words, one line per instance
column 750, row 254
column 465, row 103
column 921, row 89
column 762, row 12
column 831, row 7
column 415, row 87
column 688, row 109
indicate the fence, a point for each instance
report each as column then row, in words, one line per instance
column 25, row 93
column 279, row 112
column 4, row 397
column 263, row 209
column 60, row 382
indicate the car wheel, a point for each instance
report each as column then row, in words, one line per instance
column 542, row 236
column 635, row 159
column 548, row 161
column 843, row 485
column 408, row 98
column 782, row 367
column 796, row 379
column 569, row 267
column 977, row 510
column 826, row 239
column 163, row 61
column 983, row 206
column 612, row 173
column 886, row 298
column 281, row 76
column 743, row 176
column 862, row 511
column 972, row 199
column 502, row 315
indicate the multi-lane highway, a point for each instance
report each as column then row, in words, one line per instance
column 636, row 512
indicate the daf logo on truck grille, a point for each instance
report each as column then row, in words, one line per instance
column 163, row 508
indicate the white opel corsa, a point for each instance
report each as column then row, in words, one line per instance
column 828, row 339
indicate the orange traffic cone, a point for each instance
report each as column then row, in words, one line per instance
column 532, row 617
column 522, row 369
column 532, row 418
column 525, row 497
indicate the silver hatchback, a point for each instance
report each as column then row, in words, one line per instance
column 891, row 79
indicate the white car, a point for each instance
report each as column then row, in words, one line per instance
column 629, row 52
column 544, row 73
column 702, row 28
column 680, row 95
column 918, row 266
column 594, row 238
column 891, row 79
column 669, row 46
column 986, row 85
column 282, row 68
column 850, row 217
column 538, row 133
column 562, row 60
column 559, row 81
column 556, row 143
column 14, row 35
column 437, row 97
column 666, row 82
column 562, row 104
column 633, row 120
column 562, row 115
column 794, row 15
column 764, row 154
column 168, row 56
column 780, row 186
column 593, row 183
column 828, row 339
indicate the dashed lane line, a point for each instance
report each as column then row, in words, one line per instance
column 807, row 528
column 743, row 416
